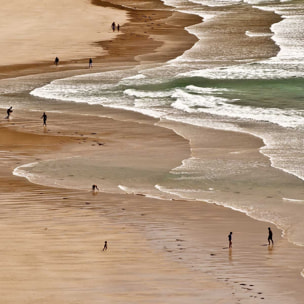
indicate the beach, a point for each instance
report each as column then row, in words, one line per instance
column 161, row 249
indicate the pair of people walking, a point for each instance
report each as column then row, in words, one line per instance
column 9, row 111
column 270, row 238
column 56, row 61
column 114, row 26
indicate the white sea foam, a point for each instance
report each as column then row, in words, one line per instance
column 160, row 195
column 256, row 34
column 145, row 94
column 179, row 192
column 288, row 33
column 224, row 107
column 136, row 77
column 216, row 3
column 296, row 201
column 205, row 90
column 263, row 70
column 22, row 172
column 193, row 104
column 126, row 189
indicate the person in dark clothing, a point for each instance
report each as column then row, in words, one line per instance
column 44, row 117
column 56, row 61
column 230, row 239
column 113, row 26
column 270, row 240
column 105, row 247
column 9, row 111
column 95, row 188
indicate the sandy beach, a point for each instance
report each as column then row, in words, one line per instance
column 159, row 251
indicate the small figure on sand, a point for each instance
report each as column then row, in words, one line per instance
column 105, row 247
column 95, row 188
column 90, row 63
column 230, row 239
column 9, row 111
column 44, row 117
column 113, row 26
column 56, row 61
column 118, row 27
column 270, row 236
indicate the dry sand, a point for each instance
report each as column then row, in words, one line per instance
column 36, row 31
column 170, row 251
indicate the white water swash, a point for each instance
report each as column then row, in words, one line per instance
column 263, row 98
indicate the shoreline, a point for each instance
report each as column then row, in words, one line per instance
column 166, row 236
column 129, row 205
column 136, row 212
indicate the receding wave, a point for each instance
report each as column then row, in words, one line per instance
column 257, row 34
column 22, row 172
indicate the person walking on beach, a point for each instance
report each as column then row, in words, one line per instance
column 270, row 236
column 90, row 63
column 9, row 111
column 230, row 239
column 113, row 26
column 56, row 61
column 118, row 27
column 105, row 247
column 44, row 117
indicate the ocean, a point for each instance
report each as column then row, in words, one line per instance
column 228, row 90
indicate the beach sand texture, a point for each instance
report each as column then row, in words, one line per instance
column 159, row 251
column 38, row 31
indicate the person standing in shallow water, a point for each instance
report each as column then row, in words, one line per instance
column 270, row 240
column 56, row 61
column 230, row 239
column 44, row 117
column 90, row 63
column 9, row 111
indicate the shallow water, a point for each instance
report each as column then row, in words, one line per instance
column 263, row 98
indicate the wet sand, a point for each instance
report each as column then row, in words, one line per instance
column 159, row 251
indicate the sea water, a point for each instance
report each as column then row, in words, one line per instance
column 264, row 98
